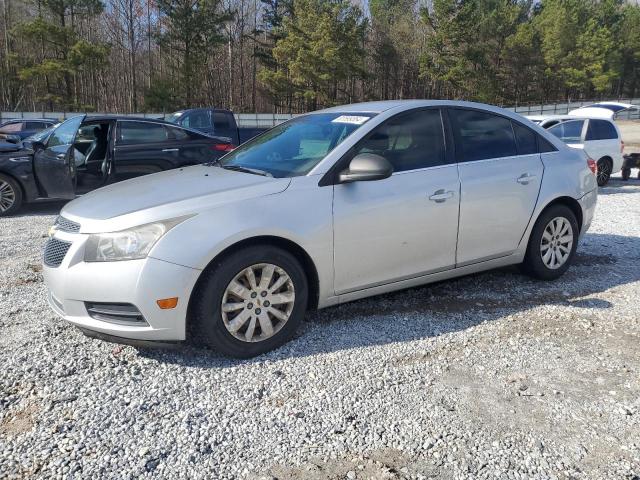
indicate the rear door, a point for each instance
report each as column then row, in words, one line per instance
column 500, row 180
column 54, row 165
column 142, row 147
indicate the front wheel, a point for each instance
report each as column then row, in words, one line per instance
column 552, row 244
column 605, row 167
column 10, row 195
column 249, row 302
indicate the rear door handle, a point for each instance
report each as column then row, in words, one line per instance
column 170, row 149
column 441, row 195
column 525, row 178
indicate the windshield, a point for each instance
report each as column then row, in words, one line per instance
column 295, row 147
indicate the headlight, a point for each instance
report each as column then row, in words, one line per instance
column 130, row 244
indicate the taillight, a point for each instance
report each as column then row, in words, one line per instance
column 593, row 166
column 621, row 146
column 222, row 147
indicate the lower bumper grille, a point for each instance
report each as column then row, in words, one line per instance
column 118, row 313
column 55, row 251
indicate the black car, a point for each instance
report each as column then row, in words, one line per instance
column 25, row 128
column 85, row 153
column 215, row 121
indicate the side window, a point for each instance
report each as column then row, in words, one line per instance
column 131, row 132
column 408, row 141
column 568, row 132
column 13, row 127
column 221, row 121
column 481, row 135
column 197, row 119
column 601, row 130
column 526, row 139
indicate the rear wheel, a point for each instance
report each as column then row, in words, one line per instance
column 552, row 244
column 250, row 302
column 626, row 173
column 604, row 171
column 10, row 195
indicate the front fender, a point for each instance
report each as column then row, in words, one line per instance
column 302, row 214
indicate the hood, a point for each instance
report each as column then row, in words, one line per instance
column 167, row 194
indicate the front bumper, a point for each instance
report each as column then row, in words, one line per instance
column 137, row 282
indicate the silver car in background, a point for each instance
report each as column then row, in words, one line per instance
column 329, row 207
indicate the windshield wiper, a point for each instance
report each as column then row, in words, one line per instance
column 255, row 171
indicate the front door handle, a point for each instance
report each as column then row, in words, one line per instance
column 525, row 178
column 170, row 149
column 441, row 195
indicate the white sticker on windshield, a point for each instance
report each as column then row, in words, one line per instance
column 350, row 119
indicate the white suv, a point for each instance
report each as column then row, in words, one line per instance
column 599, row 138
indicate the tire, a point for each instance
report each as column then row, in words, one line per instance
column 605, row 167
column 10, row 196
column 534, row 263
column 626, row 174
column 213, row 326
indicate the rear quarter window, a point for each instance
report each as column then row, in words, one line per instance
column 601, row 130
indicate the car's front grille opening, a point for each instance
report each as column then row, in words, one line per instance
column 54, row 252
column 66, row 225
column 119, row 313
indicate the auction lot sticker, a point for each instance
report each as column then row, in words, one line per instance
column 350, row 119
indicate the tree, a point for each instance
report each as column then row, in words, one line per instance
column 191, row 28
column 320, row 50
column 62, row 52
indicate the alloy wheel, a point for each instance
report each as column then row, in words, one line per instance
column 7, row 196
column 258, row 302
column 604, row 172
column 556, row 243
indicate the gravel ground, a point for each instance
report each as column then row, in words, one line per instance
column 489, row 376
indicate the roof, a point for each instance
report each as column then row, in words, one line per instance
column 14, row 120
column 123, row 117
column 382, row 106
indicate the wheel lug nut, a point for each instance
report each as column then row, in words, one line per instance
column 266, row 303
column 254, row 294
column 250, row 306
column 264, row 294
column 258, row 311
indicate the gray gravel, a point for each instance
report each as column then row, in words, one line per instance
column 489, row 376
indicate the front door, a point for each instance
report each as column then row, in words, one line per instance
column 54, row 165
column 403, row 226
column 500, row 180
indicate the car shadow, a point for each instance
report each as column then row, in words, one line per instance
column 616, row 186
column 443, row 307
column 49, row 207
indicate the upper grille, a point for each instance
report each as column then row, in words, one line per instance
column 66, row 225
column 54, row 252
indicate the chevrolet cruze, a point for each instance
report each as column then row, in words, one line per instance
column 328, row 207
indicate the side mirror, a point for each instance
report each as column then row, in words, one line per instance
column 366, row 167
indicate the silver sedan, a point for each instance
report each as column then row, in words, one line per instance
column 326, row 208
